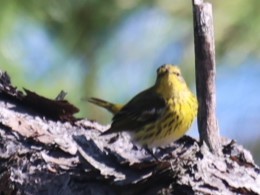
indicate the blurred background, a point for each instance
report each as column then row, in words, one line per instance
column 111, row 50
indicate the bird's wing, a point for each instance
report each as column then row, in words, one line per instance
column 143, row 109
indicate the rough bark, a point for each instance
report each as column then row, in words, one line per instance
column 44, row 155
column 205, row 74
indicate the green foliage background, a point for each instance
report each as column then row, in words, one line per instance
column 81, row 33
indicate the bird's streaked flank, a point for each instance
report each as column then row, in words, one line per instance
column 159, row 115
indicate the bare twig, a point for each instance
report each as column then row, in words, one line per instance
column 205, row 74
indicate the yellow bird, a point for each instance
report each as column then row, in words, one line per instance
column 157, row 116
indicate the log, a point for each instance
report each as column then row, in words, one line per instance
column 60, row 154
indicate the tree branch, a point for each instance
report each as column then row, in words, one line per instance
column 205, row 74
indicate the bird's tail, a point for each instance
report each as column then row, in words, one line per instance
column 113, row 108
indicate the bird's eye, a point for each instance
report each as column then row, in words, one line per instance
column 177, row 73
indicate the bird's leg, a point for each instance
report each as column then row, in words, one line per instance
column 151, row 153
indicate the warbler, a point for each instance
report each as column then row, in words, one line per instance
column 158, row 115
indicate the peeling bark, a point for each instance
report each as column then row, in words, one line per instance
column 40, row 155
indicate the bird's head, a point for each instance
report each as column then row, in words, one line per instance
column 169, row 80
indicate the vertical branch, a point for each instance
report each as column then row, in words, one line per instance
column 205, row 74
